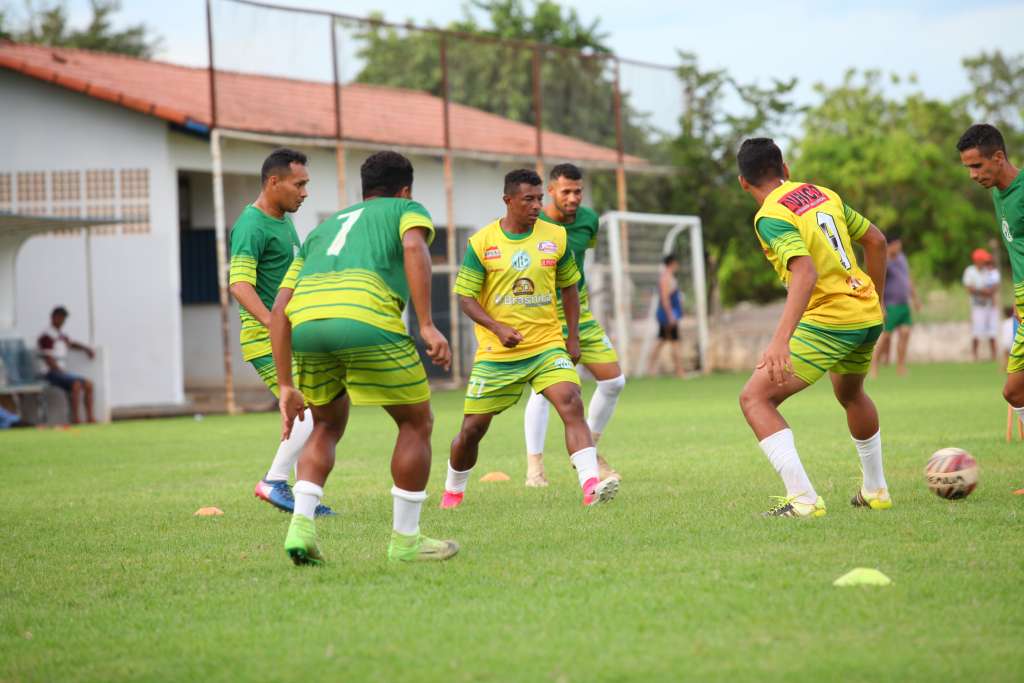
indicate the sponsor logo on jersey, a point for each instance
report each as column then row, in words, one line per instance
column 803, row 199
column 523, row 286
column 563, row 363
column 491, row 253
column 547, row 247
column 528, row 300
column 1007, row 235
column 548, row 262
column 521, row 260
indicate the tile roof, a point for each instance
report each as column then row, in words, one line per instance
column 371, row 113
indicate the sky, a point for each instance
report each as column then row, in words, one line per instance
column 814, row 40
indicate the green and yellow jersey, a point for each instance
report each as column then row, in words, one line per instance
column 582, row 235
column 516, row 279
column 262, row 249
column 800, row 219
column 352, row 265
column 1009, row 205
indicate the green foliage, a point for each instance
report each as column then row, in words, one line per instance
column 46, row 23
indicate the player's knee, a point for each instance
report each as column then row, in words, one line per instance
column 613, row 386
column 423, row 425
column 473, row 431
column 1014, row 394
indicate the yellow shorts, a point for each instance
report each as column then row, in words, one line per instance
column 264, row 366
column 816, row 350
column 495, row 386
column 595, row 346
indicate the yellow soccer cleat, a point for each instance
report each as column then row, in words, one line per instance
column 876, row 500
column 791, row 507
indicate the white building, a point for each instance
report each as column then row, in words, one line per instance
column 96, row 135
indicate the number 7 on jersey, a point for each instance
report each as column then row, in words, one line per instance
column 347, row 221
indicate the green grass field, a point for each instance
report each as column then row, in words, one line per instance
column 106, row 575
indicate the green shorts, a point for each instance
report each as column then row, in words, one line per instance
column 495, row 386
column 376, row 367
column 897, row 315
column 817, row 350
column 595, row 346
column 264, row 366
column 1016, row 360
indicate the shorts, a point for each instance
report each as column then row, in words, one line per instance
column 817, row 350
column 495, row 386
column 668, row 332
column 897, row 315
column 984, row 322
column 376, row 367
column 1016, row 360
column 595, row 346
column 264, row 367
column 63, row 380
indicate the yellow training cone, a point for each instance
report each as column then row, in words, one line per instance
column 862, row 576
column 208, row 512
column 495, row 476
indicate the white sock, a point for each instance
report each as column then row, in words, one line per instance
column 602, row 403
column 536, row 422
column 456, row 481
column 307, row 497
column 290, row 449
column 407, row 510
column 1020, row 412
column 781, row 451
column 585, row 462
column 870, row 452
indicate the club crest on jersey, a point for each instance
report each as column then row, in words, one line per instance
column 491, row 253
column 547, row 247
column 520, row 260
column 803, row 199
column 523, row 286
column 1007, row 235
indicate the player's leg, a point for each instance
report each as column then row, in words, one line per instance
column 881, row 356
column 87, row 394
column 600, row 358
column 1013, row 389
column 465, row 450
column 535, row 424
column 902, row 344
column 75, row 395
column 410, row 470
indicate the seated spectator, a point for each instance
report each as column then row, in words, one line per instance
column 53, row 350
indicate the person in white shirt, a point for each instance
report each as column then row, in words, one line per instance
column 53, row 351
column 981, row 279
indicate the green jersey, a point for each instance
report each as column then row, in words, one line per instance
column 1009, row 205
column 582, row 234
column 352, row 266
column 262, row 249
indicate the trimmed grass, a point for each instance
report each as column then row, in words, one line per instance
column 105, row 575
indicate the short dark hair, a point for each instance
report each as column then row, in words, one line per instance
column 280, row 162
column 669, row 259
column 520, row 176
column 385, row 173
column 59, row 310
column 567, row 171
column 760, row 159
column 893, row 236
column 983, row 136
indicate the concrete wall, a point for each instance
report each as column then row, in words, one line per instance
column 135, row 274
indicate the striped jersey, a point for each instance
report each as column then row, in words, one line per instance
column 800, row 219
column 352, row 265
column 581, row 235
column 516, row 277
column 262, row 249
column 1009, row 206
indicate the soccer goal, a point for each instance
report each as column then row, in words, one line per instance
column 623, row 281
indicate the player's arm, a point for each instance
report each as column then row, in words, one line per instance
column 469, row 283
column 416, row 256
column 567, row 279
column 665, row 294
column 874, row 243
column 291, row 402
column 246, row 248
column 246, row 296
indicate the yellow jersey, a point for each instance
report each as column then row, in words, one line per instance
column 516, row 279
column 801, row 219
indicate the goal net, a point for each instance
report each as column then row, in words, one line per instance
column 622, row 276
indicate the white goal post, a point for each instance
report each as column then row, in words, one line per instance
column 628, row 310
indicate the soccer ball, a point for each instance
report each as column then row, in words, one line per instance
column 951, row 473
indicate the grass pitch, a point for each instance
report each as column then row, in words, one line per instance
column 105, row 575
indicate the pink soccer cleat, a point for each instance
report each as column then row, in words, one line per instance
column 451, row 500
column 595, row 491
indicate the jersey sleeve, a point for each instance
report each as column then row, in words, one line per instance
column 292, row 276
column 856, row 224
column 783, row 238
column 470, row 280
column 415, row 215
column 568, row 273
column 247, row 245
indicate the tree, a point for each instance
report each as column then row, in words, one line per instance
column 998, row 93
column 47, row 24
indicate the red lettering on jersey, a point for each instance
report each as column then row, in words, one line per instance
column 803, row 199
column 548, row 262
column 491, row 253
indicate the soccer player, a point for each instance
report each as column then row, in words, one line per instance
column 983, row 152
column 596, row 352
column 507, row 285
column 338, row 336
column 263, row 243
column 900, row 296
column 830, row 323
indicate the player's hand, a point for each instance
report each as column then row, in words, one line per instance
column 509, row 336
column 776, row 361
column 293, row 405
column 437, row 347
column 572, row 345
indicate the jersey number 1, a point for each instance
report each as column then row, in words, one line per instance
column 828, row 226
column 348, row 221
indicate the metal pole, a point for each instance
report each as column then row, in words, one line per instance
column 88, row 286
column 620, row 151
column 700, row 293
column 210, row 68
column 339, row 149
column 455, row 328
column 538, row 110
column 622, row 315
column 222, row 270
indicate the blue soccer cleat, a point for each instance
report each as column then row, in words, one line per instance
column 279, row 494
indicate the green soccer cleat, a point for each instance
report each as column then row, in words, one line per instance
column 876, row 500
column 300, row 543
column 791, row 507
column 419, row 548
